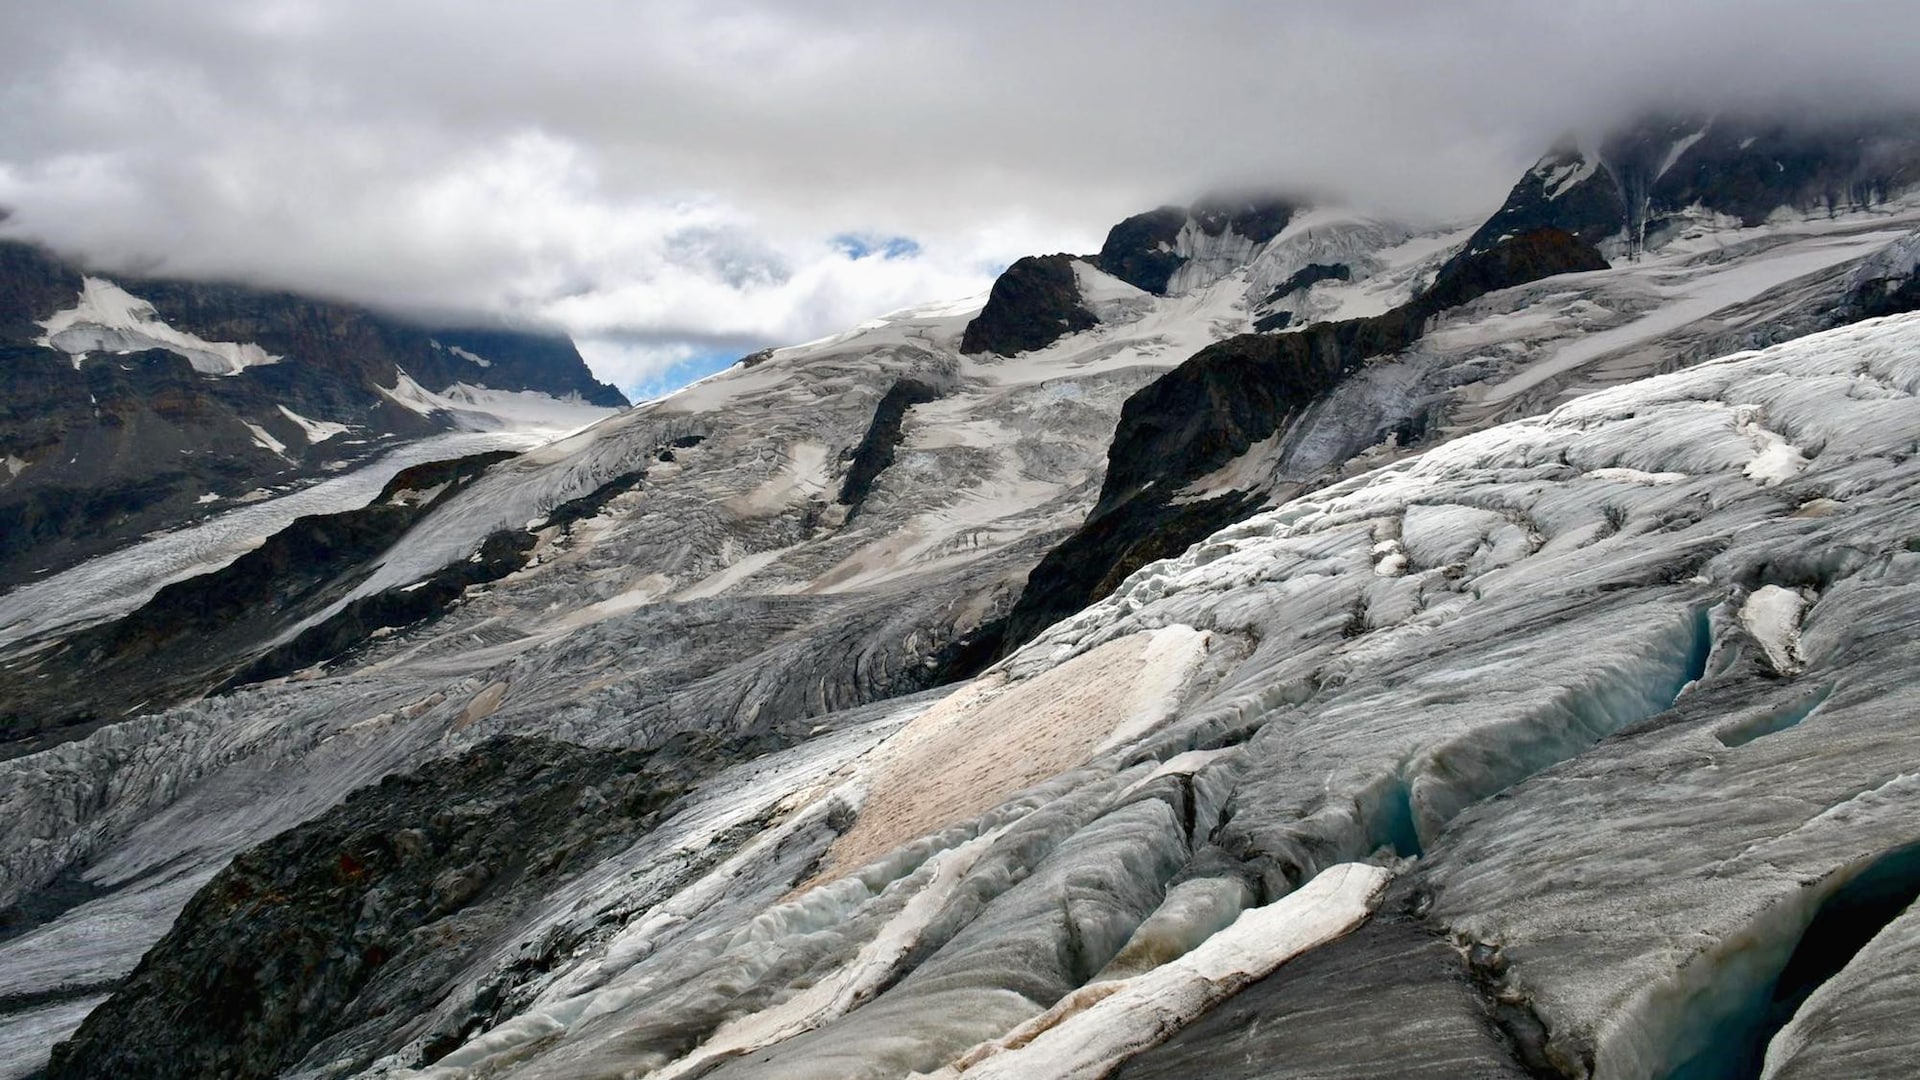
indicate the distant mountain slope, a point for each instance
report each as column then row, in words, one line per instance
column 1652, row 180
column 1471, row 658
column 128, row 405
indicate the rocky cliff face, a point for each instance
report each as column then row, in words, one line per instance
column 1033, row 304
column 1497, row 671
column 1220, row 405
column 133, row 405
column 1148, row 250
column 1653, row 180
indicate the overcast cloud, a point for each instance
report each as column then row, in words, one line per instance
column 673, row 182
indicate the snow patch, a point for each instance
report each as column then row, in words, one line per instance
column 477, row 408
column 1772, row 616
column 1676, row 150
column 316, row 431
column 1248, row 472
column 1563, row 177
column 264, row 440
column 1775, row 460
column 1635, row 476
column 1107, row 297
column 107, row 318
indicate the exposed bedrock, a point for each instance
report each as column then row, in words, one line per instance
column 876, row 448
column 1214, row 408
column 1139, row 250
column 1034, row 303
column 1517, row 259
column 193, row 634
column 1651, row 178
column 1308, row 276
column 335, row 928
column 109, row 432
column 1148, row 250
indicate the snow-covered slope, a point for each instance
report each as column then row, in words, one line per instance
column 1548, row 718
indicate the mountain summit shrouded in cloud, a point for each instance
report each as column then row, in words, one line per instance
column 1231, row 540
column 676, row 183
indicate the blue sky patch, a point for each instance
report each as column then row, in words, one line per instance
column 861, row 246
column 680, row 373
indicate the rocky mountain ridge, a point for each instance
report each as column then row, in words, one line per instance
column 1508, row 680
column 130, row 405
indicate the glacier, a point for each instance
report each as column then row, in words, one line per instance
column 1558, row 744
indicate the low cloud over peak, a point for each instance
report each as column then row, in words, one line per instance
column 671, row 180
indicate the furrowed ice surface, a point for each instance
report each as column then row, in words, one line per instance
column 1452, row 667
column 1089, row 1033
column 1558, row 621
column 706, row 596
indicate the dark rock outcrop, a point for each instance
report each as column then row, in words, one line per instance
column 1034, row 303
column 1175, row 430
column 34, row 283
column 1640, row 181
column 1308, row 276
column 336, row 929
column 1259, row 219
column 500, row 554
column 1515, row 260
column 1555, row 194
column 1300, row 280
column 192, row 634
column 1037, row 300
column 884, row 432
column 1213, row 408
column 1874, row 297
column 124, row 444
column 528, row 359
column 1139, row 250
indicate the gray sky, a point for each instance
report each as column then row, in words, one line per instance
column 678, row 181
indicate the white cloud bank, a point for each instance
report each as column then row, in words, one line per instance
column 666, row 178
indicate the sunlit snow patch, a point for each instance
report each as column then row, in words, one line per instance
column 107, row 318
column 1772, row 616
column 478, row 408
column 265, row 441
column 315, row 430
